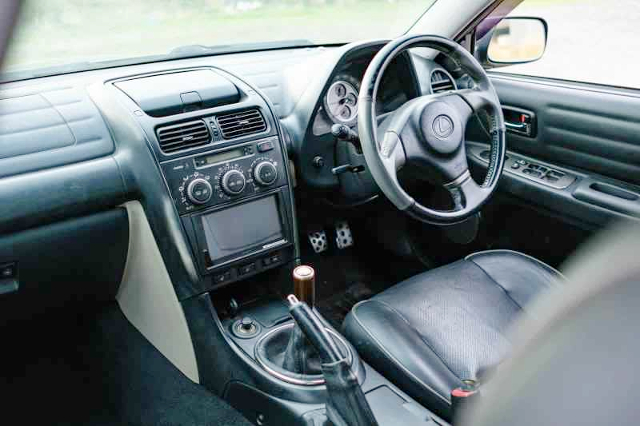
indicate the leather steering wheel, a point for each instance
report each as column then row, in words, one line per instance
column 428, row 132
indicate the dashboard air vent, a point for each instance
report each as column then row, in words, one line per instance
column 241, row 123
column 441, row 82
column 182, row 136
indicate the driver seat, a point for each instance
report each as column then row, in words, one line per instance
column 436, row 329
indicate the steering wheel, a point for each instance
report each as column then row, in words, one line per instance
column 428, row 132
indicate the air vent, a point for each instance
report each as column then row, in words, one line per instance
column 441, row 82
column 182, row 136
column 241, row 123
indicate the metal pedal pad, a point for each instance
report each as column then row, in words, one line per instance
column 318, row 241
column 344, row 238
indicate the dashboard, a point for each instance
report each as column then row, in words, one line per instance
column 198, row 143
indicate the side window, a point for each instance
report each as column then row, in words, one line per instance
column 590, row 41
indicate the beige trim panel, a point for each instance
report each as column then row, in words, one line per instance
column 148, row 300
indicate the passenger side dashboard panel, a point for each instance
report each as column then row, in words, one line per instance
column 48, row 127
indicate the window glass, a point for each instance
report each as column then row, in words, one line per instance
column 77, row 34
column 593, row 41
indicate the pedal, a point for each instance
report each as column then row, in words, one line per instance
column 344, row 238
column 318, row 241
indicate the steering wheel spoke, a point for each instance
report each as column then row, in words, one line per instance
column 466, row 193
column 481, row 102
column 392, row 153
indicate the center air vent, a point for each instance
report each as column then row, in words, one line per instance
column 182, row 136
column 241, row 123
column 441, row 82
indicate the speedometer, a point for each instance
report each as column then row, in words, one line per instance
column 341, row 100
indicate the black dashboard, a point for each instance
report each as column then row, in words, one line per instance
column 202, row 144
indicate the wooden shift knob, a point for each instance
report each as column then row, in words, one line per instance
column 304, row 284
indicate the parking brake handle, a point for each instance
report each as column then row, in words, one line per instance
column 346, row 404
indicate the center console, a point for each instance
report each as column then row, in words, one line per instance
column 235, row 207
column 219, row 149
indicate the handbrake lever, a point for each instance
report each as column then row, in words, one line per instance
column 346, row 405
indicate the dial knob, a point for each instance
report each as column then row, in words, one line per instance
column 233, row 182
column 265, row 173
column 199, row 191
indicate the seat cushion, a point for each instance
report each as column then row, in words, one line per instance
column 434, row 330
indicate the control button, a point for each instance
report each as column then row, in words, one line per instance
column 266, row 261
column 220, row 278
column 265, row 146
column 531, row 172
column 7, row 271
column 555, row 174
column 275, row 258
column 246, row 328
column 522, row 162
column 233, row 182
column 318, row 162
column 246, row 269
column 246, row 324
column 515, row 166
column 199, row 191
column 265, row 173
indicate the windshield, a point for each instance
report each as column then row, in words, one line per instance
column 76, row 34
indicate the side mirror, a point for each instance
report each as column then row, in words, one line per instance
column 513, row 41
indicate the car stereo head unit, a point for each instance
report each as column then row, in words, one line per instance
column 244, row 237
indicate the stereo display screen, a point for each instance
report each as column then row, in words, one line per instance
column 241, row 227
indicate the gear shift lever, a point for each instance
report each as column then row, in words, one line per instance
column 298, row 351
column 346, row 403
column 304, row 284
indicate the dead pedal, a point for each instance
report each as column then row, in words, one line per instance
column 318, row 241
column 344, row 238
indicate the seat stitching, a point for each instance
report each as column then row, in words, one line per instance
column 391, row 357
column 498, row 284
column 537, row 261
column 394, row 310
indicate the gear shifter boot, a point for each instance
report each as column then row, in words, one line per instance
column 300, row 356
column 286, row 353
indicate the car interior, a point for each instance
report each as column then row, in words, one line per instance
column 376, row 232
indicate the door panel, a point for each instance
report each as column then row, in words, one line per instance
column 588, row 133
column 582, row 126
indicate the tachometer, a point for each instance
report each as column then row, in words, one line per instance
column 341, row 99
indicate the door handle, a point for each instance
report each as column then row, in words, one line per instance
column 515, row 126
column 520, row 121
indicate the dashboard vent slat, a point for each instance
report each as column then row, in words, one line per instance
column 441, row 82
column 182, row 136
column 241, row 123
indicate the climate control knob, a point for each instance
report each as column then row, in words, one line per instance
column 265, row 173
column 199, row 191
column 233, row 182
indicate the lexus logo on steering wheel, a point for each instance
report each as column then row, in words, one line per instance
column 442, row 126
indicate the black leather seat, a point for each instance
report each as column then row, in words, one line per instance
column 434, row 330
